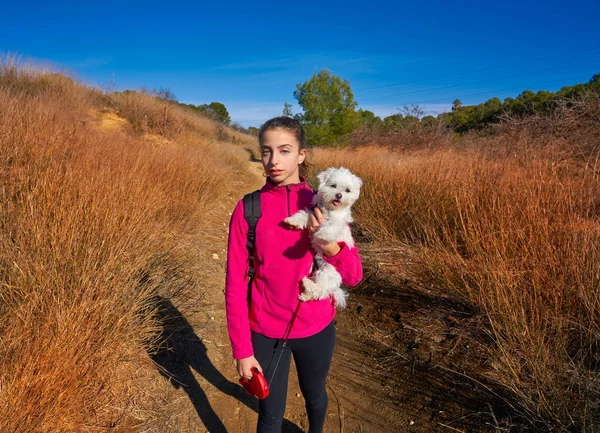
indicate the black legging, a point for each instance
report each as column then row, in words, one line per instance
column 312, row 356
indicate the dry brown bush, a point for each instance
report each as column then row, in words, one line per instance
column 94, row 225
column 402, row 139
column 571, row 130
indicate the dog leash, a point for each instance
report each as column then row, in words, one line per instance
column 286, row 337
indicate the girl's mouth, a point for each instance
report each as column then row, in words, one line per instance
column 337, row 203
column 276, row 172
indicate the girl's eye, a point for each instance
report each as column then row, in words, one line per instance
column 265, row 152
column 285, row 151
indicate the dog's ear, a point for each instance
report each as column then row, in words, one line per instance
column 358, row 181
column 321, row 176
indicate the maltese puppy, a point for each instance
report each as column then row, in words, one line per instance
column 338, row 190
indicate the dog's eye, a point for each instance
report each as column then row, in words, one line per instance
column 334, row 185
column 347, row 189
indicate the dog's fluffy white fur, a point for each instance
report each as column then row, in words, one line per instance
column 338, row 190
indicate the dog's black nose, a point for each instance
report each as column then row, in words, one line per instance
column 338, row 196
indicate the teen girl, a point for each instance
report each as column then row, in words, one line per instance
column 258, row 322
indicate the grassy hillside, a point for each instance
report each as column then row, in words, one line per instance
column 100, row 194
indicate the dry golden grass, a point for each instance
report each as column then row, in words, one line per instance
column 516, row 233
column 91, row 231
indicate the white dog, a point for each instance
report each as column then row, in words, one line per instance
column 338, row 190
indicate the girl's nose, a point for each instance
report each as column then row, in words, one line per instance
column 338, row 195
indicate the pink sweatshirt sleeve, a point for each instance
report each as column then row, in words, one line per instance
column 348, row 264
column 236, row 286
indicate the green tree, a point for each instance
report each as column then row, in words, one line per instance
column 214, row 110
column 287, row 109
column 456, row 104
column 329, row 108
column 399, row 121
column 368, row 119
column 166, row 95
column 429, row 121
column 594, row 82
column 220, row 113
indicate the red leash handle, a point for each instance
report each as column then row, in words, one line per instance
column 257, row 386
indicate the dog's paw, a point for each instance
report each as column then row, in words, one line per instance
column 305, row 297
column 290, row 221
column 298, row 220
column 309, row 290
column 308, row 284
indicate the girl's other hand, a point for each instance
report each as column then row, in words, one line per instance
column 315, row 219
column 244, row 366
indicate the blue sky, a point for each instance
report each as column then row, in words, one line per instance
column 251, row 55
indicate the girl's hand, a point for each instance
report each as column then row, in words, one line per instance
column 315, row 220
column 244, row 366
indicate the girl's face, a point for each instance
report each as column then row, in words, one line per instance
column 281, row 155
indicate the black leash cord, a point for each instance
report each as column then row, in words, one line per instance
column 285, row 340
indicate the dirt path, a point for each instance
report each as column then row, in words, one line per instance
column 372, row 387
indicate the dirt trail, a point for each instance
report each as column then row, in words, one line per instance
column 363, row 397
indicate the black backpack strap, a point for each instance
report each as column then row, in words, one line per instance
column 252, row 214
column 314, row 265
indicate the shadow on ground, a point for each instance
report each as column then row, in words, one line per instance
column 180, row 353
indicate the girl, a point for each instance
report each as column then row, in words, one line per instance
column 258, row 321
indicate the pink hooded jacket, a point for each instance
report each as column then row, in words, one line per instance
column 283, row 256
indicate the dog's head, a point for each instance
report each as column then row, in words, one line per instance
column 338, row 188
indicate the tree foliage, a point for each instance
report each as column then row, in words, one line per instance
column 329, row 109
column 166, row 95
column 369, row 119
column 252, row 130
column 218, row 110
column 215, row 110
column 465, row 118
column 287, row 109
